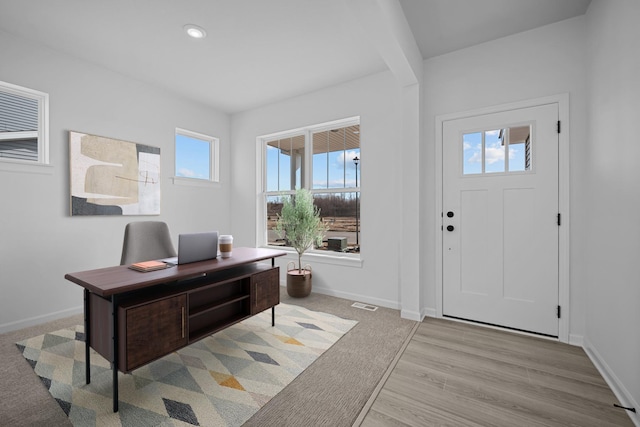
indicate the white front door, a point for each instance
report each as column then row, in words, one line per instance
column 500, row 219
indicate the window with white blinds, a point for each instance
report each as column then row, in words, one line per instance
column 23, row 124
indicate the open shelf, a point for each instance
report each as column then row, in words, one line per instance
column 203, row 309
column 206, row 297
column 215, row 327
column 215, row 318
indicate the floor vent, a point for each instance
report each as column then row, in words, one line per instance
column 364, row 306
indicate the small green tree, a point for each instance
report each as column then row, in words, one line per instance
column 299, row 222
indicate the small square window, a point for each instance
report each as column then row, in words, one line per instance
column 196, row 156
column 23, row 125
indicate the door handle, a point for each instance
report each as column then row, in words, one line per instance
column 450, row 228
column 450, row 214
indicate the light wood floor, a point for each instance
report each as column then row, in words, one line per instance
column 455, row 374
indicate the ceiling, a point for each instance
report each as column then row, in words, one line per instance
column 259, row 51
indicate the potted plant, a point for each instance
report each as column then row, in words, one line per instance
column 300, row 225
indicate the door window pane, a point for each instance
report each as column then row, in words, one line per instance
column 494, row 150
column 472, row 153
column 485, row 152
column 519, row 148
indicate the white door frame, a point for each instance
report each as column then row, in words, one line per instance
column 563, row 194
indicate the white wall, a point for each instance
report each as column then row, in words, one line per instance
column 377, row 100
column 39, row 241
column 613, row 204
column 542, row 62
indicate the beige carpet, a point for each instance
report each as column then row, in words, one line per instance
column 331, row 392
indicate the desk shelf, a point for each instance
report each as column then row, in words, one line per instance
column 215, row 317
column 213, row 327
column 212, row 295
column 204, row 309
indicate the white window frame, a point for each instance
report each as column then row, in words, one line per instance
column 42, row 132
column 322, row 256
column 214, row 161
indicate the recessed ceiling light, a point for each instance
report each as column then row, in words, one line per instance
column 195, row 31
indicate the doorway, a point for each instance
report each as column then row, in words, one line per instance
column 500, row 242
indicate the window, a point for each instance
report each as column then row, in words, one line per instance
column 196, row 156
column 325, row 159
column 23, row 125
column 485, row 152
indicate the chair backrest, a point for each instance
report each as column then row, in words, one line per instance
column 145, row 241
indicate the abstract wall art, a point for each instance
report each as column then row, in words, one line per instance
column 113, row 177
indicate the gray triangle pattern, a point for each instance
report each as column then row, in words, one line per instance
column 182, row 370
column 141, row 382
column 161, row 368
column 80, row 416
column 233, row 364
column 181, row 378
column 255, row 372
column 61, row 348
column 233, row 413
column 252, row 338
column 134, row 416
column 52, row 340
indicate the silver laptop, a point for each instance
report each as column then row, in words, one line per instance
column 194, row 247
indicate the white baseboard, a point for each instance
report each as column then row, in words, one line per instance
column 355, row 297
column 32, row 321
column 618, row 388
column 576, row 340
column 429, row 312
column 416, row 316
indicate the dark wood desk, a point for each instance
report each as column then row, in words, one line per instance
column 132, row 318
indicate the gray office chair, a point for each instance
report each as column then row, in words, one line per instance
column 145, row 241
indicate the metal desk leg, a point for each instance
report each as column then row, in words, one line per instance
column 87, row 336
column 114, row 349
column 273, row 309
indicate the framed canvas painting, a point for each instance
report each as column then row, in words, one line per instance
column 113, row 177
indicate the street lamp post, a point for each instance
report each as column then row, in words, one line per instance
column 356, row 160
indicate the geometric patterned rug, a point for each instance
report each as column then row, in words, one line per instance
column 221, row 380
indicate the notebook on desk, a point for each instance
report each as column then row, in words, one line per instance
column 194, row 247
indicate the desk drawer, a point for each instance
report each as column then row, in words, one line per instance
column 152, row 330
column 265, row 290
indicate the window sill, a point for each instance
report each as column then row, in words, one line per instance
column 322, row 257
column 22, row 167
column 191, row 182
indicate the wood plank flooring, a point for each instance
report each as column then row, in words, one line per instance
column 456, row 374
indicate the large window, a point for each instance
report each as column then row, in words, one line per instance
column 196, row 156
column 23, row 125
column 325, row 159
